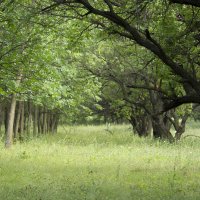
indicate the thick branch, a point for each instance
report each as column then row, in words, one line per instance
column 146, row 87
column 182, row 100
column 48, row 8
column 109, row 5
column 187, row 2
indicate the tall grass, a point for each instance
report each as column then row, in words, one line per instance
column 100, row 162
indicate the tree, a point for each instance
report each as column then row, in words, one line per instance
column 123, row 19
column 38, row 80
column 132, row 88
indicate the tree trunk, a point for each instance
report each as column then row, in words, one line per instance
column 11, row 116
column 55, row 123
column 179, row 126
column 160, row 122
column 44, row 121
column 1, row 116
column 17, row 121
column 39, row 120
column 29, row 118
column 21, row 132
column 160, row 129
column 6, row 117
column 35, row 120
column 49, row 122
column 142, row 125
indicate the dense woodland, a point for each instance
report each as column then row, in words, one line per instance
column 89, row 61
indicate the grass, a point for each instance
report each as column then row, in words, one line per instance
column 99, row 162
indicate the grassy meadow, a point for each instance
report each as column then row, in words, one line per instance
column 100, row 163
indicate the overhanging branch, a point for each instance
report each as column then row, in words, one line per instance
column 180, row 101
column 195, row 3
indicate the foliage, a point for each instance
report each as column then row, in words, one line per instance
column 36, row 48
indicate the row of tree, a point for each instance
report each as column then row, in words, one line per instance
column 39, row 80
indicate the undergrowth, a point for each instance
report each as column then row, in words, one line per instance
column 100, row 162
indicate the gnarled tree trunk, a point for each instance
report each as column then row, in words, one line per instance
column 142, row 125
column 160, row 122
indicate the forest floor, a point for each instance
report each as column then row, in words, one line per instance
column 100, row 163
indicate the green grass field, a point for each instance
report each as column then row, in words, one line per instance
column 89, row 162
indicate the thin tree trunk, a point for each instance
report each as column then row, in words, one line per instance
column 1, row 116
column 21, row 132
column 17, row 119
column 39, row 120
column 35, row 120
column 25, row 118
column 44, row 121
column 56, row 123
column 29, row 118
column 48, row 121
column 6, row 118
column 11, row 116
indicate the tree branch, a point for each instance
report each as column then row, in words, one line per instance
column 180, row 101
column 195, row 3
column 48, row 8
column 109, row 5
